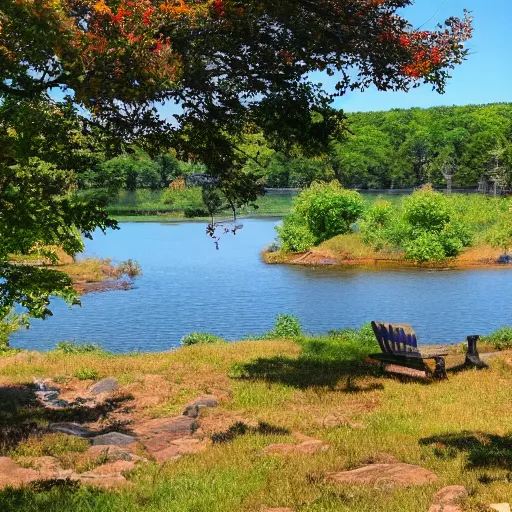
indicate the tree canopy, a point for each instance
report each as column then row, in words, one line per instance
column 229, row 66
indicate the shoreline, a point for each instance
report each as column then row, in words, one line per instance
column 319, row 258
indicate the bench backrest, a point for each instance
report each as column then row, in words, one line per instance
column 394, row 338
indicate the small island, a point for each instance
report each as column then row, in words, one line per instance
column 330, row 225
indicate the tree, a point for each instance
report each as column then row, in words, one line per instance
column 227, row 64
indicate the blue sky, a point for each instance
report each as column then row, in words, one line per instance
column 486, row 77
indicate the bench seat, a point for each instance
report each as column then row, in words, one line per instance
column 399, row 346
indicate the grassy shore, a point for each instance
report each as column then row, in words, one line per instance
column 350, row 250
column 89, row 274
column 459, row 428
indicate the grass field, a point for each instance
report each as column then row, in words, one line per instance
column 459, row 429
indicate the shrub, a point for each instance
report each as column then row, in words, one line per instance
column 295, row 235
column 427, row 210
column 130, row 268
column 376, row 220
column 73, row 347
column 287, row 326
column 51, row 445
column 86, row 374
column 500, row 339
column 200, row 338
column 329, row 209
column 363, row 336
column 425, row 247
column 192, row 211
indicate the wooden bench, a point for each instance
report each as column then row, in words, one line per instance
column 399, row 346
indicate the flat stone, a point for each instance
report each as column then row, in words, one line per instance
column 180, row 447
column 308, row 447
column 192, row 409
column 13, row 475
column 447, row 499
column 179, row 426
column 107, row 385
column 501, row 507
column 58, row 403
column 113, row 438
column 45, row 465
column 113, row 452
column 378, row 475
column 110, row 469
column 102, row 481
column 73, row 429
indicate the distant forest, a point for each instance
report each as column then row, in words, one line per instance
column 401, row 148
column 393, row 149
column 406, row 148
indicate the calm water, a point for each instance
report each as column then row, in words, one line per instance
column 188, row 286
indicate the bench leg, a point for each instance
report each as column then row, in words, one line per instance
column 472, row 356
column 440, row 370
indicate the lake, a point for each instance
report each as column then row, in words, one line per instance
column 187, row 285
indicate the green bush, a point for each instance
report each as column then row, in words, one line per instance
column 200, row 338
column 73, row 347
column 500, row 339
column 287, row 326
column 426, row 210
column 375, row 223
column 87, row 374
column 329, row 209
column 294, row 234
column 191, row 211
column 425, row 247
column 364, row 335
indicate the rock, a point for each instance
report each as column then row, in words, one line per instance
column 113, row 453
column 47, row 466
column 13, row 475
column 335, row 420
column 114, row 438
column 158, row 434
column 505, row 259
column 73, row 429
column 107, row 385
column 192, row 409
column 447, row 499
column 110, row 469
column 107, row 475
column 308, row 447
column 103, row 481
column 386, row 475
column 500, row 507
column 178, row 426
column 179, row 447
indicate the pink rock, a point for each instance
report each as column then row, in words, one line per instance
column 179, row 447
column 447, row 499
column 379, row 475
column 13, row 475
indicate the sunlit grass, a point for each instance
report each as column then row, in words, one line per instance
column 294, row 386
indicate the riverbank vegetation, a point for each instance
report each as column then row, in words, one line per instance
column 269, row 391
column 187, row 203
column 425, row 227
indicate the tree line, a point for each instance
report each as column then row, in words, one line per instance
column 379, row 150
